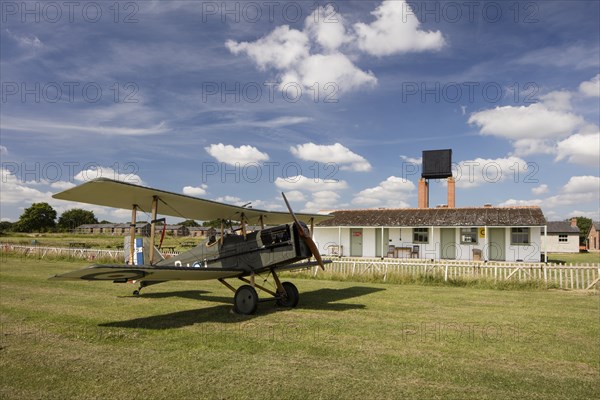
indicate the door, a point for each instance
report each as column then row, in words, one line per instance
column 356, row 239
column 497, row 244
column 448, row 243
column 386, row 241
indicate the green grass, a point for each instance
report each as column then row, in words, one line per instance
column 574, row 258
column 62, row 339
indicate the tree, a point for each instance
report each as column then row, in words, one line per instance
column 37, row 218
column 189, row 222
column 6, row 226
column 584, row 224
column 75, row 217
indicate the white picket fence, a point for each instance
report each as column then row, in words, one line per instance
column 573, row 276
column 45, row 252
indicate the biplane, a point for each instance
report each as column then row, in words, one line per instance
column 282, row 243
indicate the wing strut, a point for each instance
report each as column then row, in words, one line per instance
column 132, row 233
column 153, row 227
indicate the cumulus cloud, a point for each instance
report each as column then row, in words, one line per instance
column 300, row 182
column 581, row 148
column 412, row 160
column 298, row 56
column 109, row 173
column 322, row 201
column 231, row 155
column 395, row 31
column 591, row 88
column 578, row 191
column 393, row 192
column 531, row 129
column 295, row 195
column 473, row 173
column 195, row 190
column 543, row 188
column 335, row 153
column 3, row 151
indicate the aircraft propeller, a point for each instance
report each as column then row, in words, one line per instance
column 307, row 239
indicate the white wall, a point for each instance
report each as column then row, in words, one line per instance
column 402, row 237
column 552, row 245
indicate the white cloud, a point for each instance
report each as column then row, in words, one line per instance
column 535, row 121
column 300, row 182
column 335, row 153
column 30, row 41
column 283, row 48
column 279, row 122
column 395, row 31
column 322, row 201
column 295, row 195
column 62, row 185
column 393, row 192
column 543, row 188
column 412, row 160
column 581, row 148
column 326, row 26
column 473, row 173
column 582, row 185
column 591, row 88
column 195, row 190
column 340, row 72
column 47, row 126
column 3, row 151
column 530, row 128
column 299, row 56
column 109, row 173
column 578, row 191
column 236, row 155
column 559, row 100
column 521, row 203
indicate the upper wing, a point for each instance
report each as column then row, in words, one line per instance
column 110, row 193
column 122, row 273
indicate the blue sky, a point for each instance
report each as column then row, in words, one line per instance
column 238, row 101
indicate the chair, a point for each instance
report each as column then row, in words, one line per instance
column 391, row 251
column 476, row 255
column 414, row 253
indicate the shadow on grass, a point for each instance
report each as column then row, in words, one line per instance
column 322, row 299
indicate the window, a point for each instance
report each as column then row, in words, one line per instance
column 563, row 238
column 421, row 235
column 468, row 235
column 519, row 236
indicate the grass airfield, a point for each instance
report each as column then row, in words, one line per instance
column 62, row 339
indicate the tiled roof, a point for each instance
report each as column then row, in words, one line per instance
column 409, row 217
column 562, row 227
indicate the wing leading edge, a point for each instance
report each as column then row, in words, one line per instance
column 116, row 194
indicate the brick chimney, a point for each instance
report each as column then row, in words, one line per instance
column 451, row 192
column 423, row 201
column 574, row 222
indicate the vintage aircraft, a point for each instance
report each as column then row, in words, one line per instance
column 222, row 256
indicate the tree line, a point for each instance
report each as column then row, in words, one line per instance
column 41, row 217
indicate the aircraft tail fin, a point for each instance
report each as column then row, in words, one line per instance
column 141, row 251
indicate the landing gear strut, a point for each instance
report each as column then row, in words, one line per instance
column 245, row 300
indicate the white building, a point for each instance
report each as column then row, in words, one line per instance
column 483, row 233
column 563, row 237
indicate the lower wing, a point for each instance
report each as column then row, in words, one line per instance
column 123, row 273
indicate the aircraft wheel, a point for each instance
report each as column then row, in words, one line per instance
column 291, row 300
column 136, row 292
column 245, row 300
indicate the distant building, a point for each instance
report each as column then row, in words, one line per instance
column 141, row 228
column 563, row 237
column 593, row 237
